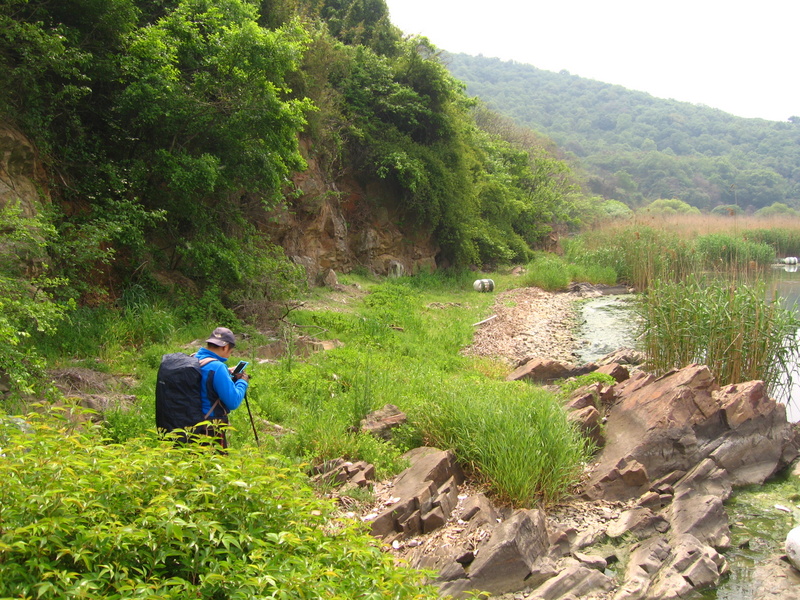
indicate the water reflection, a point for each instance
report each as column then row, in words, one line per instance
column 606, row 325
column 784, row 283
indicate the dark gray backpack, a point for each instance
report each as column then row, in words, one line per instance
column 178, row 401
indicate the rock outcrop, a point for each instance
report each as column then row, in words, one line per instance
column 343, row 224
column 21, row 175
column 22, row 183
column 674, row 423
column 677, row 445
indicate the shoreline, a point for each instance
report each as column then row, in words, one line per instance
column 528, row 323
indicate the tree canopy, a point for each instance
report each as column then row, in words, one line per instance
column 167, row 125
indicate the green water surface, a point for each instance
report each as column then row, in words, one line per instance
column 759, row 523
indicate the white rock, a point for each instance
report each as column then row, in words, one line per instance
column 793, row 547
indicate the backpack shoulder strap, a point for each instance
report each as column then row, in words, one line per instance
column 212, row 393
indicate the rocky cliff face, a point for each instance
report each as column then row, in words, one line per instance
column 22, row 182
column 333, row 223
column 21, row 175
column 343, row 224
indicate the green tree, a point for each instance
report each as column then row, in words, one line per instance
column 776, row 209
column 672, row 206
column 204, row 89
column 27, row 305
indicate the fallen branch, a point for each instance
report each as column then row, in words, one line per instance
column 484, row 321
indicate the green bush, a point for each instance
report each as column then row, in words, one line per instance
column 570, row 385
column 83, row 519
column 27, row 305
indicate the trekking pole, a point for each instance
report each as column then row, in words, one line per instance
column 252, row 423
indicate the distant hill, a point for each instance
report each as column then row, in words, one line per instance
column 637, row 148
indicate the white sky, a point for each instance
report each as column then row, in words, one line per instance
column 741, row 57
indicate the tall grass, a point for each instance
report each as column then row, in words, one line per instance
column 552, row 273
column 402, row 347
column 727, row 325
column 516, row 437
column 641, row 254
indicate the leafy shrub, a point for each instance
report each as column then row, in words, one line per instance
column 570, row 385
column 778, row 209
column 670, row 206
column 145, row 519
column 27, row 306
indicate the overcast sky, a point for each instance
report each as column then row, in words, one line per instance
column 741, row 57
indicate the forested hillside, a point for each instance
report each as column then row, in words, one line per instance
column 162, row 126
column 638, row 148
column 165, row 138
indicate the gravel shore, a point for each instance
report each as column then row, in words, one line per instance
column 528, row 323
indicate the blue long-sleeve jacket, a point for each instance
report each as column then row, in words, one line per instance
column 231, row 393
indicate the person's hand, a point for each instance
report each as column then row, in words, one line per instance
column 242, row 375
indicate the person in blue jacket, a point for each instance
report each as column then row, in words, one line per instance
column 225, row 393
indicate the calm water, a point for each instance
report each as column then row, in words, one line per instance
column 606, row 326
column 759, row 517
column 785, row 284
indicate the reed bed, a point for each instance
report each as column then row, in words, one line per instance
column 693, row 226
column 725, row 324
column 703, row 295
column 642, row 254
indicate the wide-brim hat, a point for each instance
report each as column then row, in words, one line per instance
column 222, row 336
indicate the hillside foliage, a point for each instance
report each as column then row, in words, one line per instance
column 637, row 148
column 170, row 128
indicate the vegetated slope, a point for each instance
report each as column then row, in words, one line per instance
column 639, row 148
column 169, row 137
column 163, row 126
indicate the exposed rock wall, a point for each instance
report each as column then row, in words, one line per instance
column 341, row 223
column 21, row 174
column 334, row 223
column 22, row 181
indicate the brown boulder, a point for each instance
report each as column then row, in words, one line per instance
column 424, row 495
column 506, row 561
column 544, row 370
column 381, row 422
column 673, row 423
